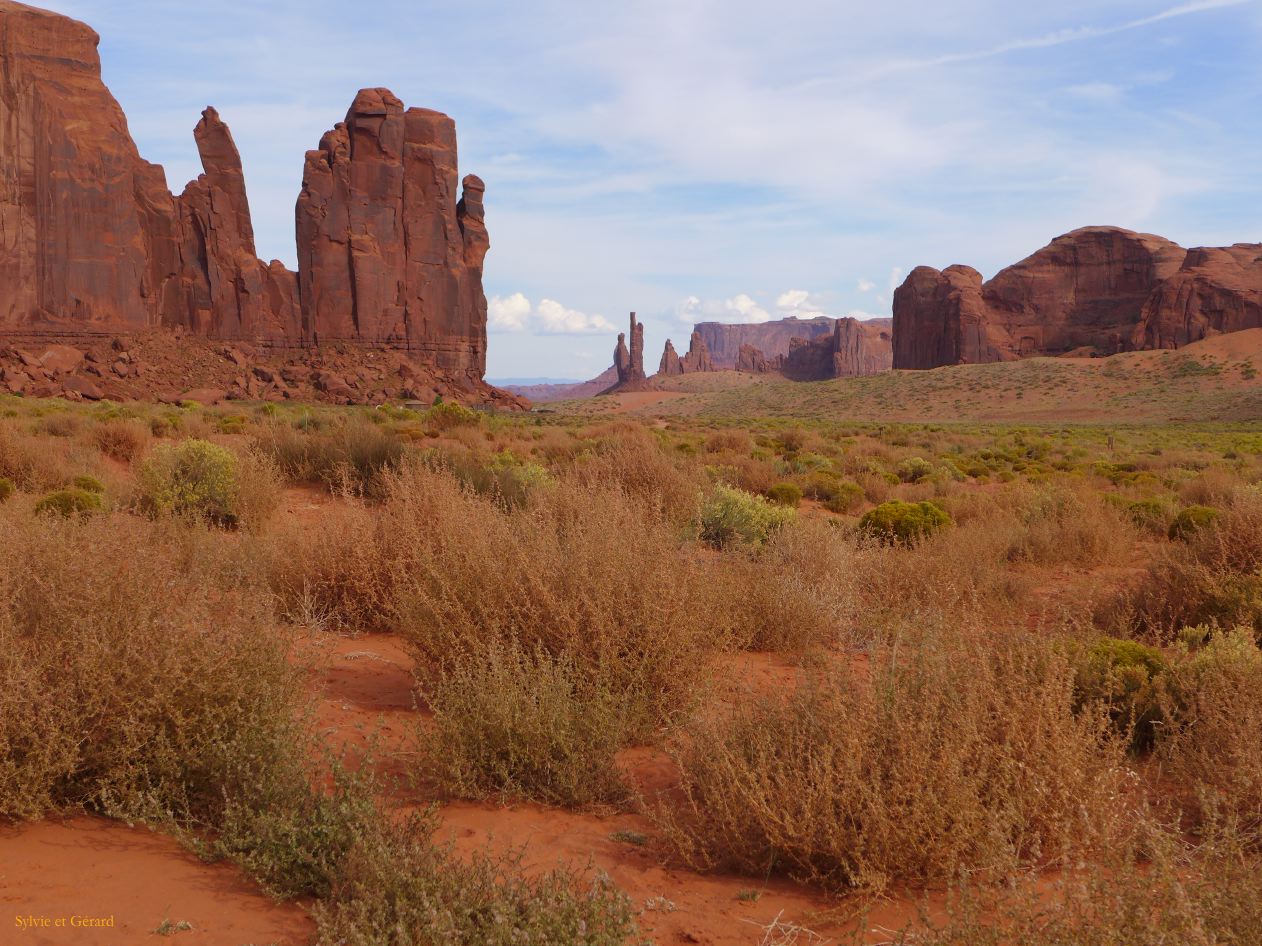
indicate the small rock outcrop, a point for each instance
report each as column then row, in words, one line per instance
column 854, row 349
column 1098, row 290
column 670, row 364
column 697, row 360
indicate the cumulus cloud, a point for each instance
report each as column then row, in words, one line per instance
column 739, row 308
column 743, row 308
column 866, row 285
column 515, row 313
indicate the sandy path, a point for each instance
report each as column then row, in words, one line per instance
column 87, row 867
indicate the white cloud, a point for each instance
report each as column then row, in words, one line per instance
column 515, row 313
column 866, row 285
column 740, row 308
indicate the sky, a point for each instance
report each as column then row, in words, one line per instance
column 728, row 159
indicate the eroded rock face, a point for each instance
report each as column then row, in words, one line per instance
column 1218, row 289
column 92, row 242
column 669, row 365
column 88, row 230
column 854, row 349
column 386, row 253
column 697, row 359
column 1099, row 290
column 724, row 341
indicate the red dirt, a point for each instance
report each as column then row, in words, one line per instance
column 87, row 867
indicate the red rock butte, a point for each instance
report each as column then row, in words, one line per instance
column 92, row 243
column 1097, row 291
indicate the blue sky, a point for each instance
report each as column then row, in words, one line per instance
column 729, row 159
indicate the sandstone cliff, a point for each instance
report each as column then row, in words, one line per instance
column 92, row 242
column 1099, row 290
column 629, row 362
column 724, row 341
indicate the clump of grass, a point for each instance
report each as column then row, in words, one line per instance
column 7, row 489
column 730, row 516
column 350, row 456
column 527, row 724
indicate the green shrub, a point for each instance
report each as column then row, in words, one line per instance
column 69, row 502
column 89, row 484
column 785, row 494
column 1191, row 520
column 445, row 415
column 1152, row 515
column 847, row 498
column 731, row 515
column 914, row 469
column 7, row 488
column 898, row 521
column 193, row 478
column 1127, row 677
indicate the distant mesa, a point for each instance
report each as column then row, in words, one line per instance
column 390, row 242
column 1097, row 291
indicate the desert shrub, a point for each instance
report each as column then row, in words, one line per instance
column 124, row 440
column 329, row 574
column 502, row 476
column 949, row 755
column 31, row 462
column 898, row 521
column 397, row 888
column 729, row 441
column 65, row 424
column 1127, row 679
column 1150, row 888
column 69, row 503
column 847, row 497
column 578, row 571
column 914, row 469
column 1151, row 515
column 729, row 516
column 508, row 722
column 804, row 589
column 1213, row 746
column 351, row 456
column 131, row 681
column 200, row 480
column 448, row 415
column 785, row 494
column 7, row 489
column 1191, row 519
column 1214, row 576
column 1056, row 526
column 194, row 478
column 89, row 484
column 666, row 486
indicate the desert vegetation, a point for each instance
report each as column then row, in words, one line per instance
column 1012, row 666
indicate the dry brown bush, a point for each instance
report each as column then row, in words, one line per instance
column 138, row 669
column 1215, row 577
column 954, row 753
column 121, row 439
column 1212, row 748
column 35, row 463
column 585, row 571
column 665, row 485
